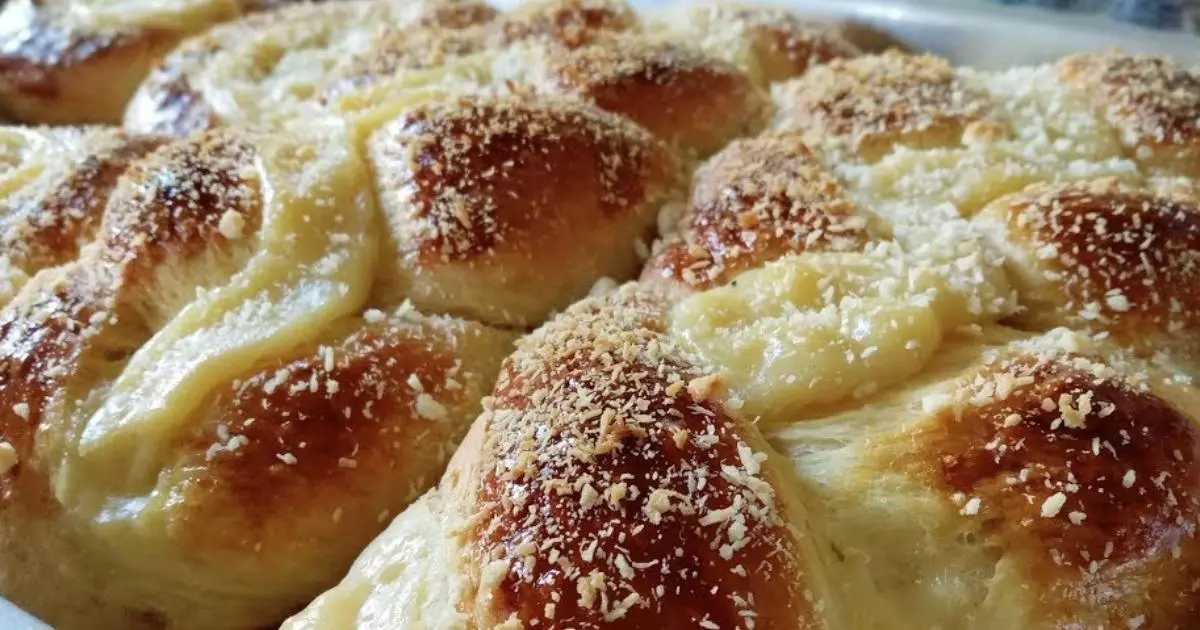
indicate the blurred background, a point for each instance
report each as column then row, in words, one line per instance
column 1160, row 14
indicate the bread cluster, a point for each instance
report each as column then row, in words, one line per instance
column 920, row 354
column 243, row 332
column 804, row 337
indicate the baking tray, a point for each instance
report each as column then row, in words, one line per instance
column 967, row 33
column 995, row 37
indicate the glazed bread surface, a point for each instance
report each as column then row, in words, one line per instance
column 690, row 85
column 241, row 334
column 229, row 359
column 921, row 354
column 79, row 61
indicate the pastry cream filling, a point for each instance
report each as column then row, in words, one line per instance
column 408, row 577
column 1035, row 132
column 11, row 280
column 314, row 266
column 24, row 154
column 815, row 328
column 270, row 71
column 181, row 15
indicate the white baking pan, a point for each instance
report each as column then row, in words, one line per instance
column 988, row 36
column 971, row 34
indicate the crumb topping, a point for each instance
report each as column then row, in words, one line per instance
column 468, row 176
column 756, row 201
column 1149, row 99
column 778, row 43
column 44, row 223
column 863, row 101
column 607, row 498
column 1126, row 260
column 1074, row 457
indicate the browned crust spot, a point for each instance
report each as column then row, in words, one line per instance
column 67, row 323
column 311, row 429
column 1125, row 259
column 783, row 43
column 756, row 201
column 1088, row 477
column 570, row 22
column 170, row 203
column 565, row 23
column 480, row 175
column 36, row 47
column 48, row 227
column 611, row 492
column 678, row 93
column 168, row 99
column 1151, row 100
column 868, row 104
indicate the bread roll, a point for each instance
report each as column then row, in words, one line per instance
column 757, row 200
column 79, row 61
column 1152, row 103
column 256, row 347
column 770, row 43
column 970, row 405
column 1098, row 254
column 349, row 60
column 56, row 184
column 265, row 67
column 486, row 198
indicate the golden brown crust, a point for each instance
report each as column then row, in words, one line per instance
column 557, row 24
column 572, row 23
column 185, row 91
column 1099, row 254
column 946, row 470
column 60, row 64
column 52, row 71
column 869, row 104
column 756, row 201
column 1084, row 477
column 166, row 102
column 615, row 491
column 787, row 45
column 285, row 466
column 1154, row 104
column 678, row 93
column 504, row 187
column 46, row 224
column 172, row 202
column 302, row 444
column 770, row 43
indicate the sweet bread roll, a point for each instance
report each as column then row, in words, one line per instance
column 1030, row 483
column 567, row 23
column 868, row 105
column 638, row 501
column 55, row 185
column 1101, row 254
column 348, row 65
column 487, row 197
column 769, row 43
column 923, row 142
column 192, row 406
column 265, row 68
column 276, row 68
column 678, row 93
column 1152, row 103
column 78, row 61
column 782, row 425
column 757, row 200
column 259, row 346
